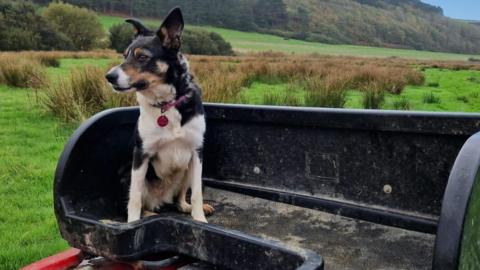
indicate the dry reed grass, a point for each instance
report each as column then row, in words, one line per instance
column 22, row 72
column 223, row 78
column 84, row 93
column 95, row 54
column 402, row 104
column 26, row 69
column 328, row 91
column 373, row 96
column 286, row 99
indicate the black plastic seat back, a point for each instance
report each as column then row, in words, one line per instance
column 98, row 167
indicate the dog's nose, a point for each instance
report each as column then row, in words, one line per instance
column 112, row 77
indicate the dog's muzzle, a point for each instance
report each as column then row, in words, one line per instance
column 112, row 77
column 118, row 79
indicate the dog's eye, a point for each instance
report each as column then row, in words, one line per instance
column 142, row 58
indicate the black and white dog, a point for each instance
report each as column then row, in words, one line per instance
column 169, row 136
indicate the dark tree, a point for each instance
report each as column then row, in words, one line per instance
column 32, row 32
column 121, row 36
column 270, row 14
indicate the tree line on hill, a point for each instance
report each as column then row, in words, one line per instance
column 387, row 23
column 57, row 28
column 62, row 26
column 193, row 41
column 419, row 5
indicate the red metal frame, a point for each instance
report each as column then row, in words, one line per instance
column 72, row 257
column 60, row 261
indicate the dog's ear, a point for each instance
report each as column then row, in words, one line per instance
column 141, row 29
column 170, row 32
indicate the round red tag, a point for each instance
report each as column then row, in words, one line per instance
column 162, row 121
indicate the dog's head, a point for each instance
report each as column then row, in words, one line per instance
column 149, row 57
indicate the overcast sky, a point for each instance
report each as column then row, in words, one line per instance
column 459, row 9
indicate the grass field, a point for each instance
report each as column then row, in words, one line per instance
column 454, row 90
column 30, row 144
column 255, row 42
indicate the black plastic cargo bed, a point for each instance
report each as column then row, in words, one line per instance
column 355, row 189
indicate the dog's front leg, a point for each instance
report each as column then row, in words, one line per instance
column 137, row 186
column 195, row 176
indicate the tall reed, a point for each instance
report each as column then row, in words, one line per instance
column 82, row 94
column 328, row 92
column 22, row 72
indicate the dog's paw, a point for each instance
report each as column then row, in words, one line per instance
column 149, row 214
column 184, row 207
column 208, row 209
column 201, row 218
column 132, row 220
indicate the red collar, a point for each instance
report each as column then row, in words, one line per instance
column 165, row 106
column 162, row 120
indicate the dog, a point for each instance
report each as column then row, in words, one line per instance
column 167, row 159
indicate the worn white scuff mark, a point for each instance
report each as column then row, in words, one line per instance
column 138, row 238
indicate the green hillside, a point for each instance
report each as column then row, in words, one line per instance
column 406, row 24
column 256, row 42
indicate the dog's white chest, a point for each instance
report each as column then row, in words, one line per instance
column 157, row 138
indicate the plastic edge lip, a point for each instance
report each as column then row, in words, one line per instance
column 376, row 120
column 342, row 111
column 455, row 205
column 311, row 260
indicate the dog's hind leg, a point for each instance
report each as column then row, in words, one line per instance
column 184, row 207
column 182, row 204
column 137, row 186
